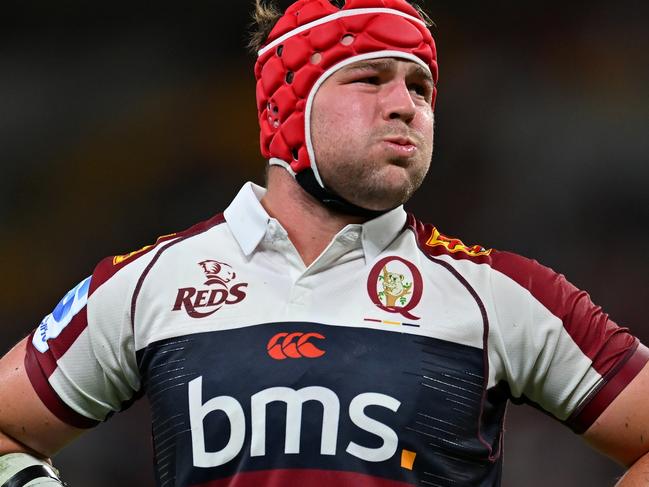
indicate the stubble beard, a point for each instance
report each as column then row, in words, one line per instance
column 376, row 186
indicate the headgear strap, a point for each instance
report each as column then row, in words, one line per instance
column 311, row 41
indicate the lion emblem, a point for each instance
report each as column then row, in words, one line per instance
column 217, row 272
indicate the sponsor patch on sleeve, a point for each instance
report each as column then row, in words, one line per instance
column 454, row 245
column 118, row 259
column 54, row 323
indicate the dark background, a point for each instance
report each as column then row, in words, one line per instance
column 121, row 121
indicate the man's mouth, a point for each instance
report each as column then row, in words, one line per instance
column 403, row 146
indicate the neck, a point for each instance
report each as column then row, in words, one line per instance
column 310, row 225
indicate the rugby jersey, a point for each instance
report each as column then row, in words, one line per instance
column 387, row 362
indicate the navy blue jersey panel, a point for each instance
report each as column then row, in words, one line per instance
column 310, row 396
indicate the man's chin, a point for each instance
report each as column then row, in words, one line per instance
column 383, row 188
column 380, row 200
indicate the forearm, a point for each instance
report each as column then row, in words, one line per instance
column 26, row 425
column 637, row 475
column 11, row 445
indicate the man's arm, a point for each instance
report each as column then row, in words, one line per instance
column 622, row 431
column 26, row 425
column 638, row 474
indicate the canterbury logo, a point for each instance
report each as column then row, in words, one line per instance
column 294, row 345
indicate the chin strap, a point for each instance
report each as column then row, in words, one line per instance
column 307, row 180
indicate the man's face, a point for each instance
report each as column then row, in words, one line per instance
column 372, row 131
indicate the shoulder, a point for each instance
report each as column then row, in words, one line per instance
column 518, row 284
column 433, row 243
column 136, row 262
column 542, row 282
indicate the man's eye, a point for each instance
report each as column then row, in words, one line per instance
column 422, row 90
column 370, row 80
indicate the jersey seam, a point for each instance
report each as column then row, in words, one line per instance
column 493, row 457
column 564, row 329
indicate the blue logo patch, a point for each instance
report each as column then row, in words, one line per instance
column 54, row 323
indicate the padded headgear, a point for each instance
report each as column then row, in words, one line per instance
column 311, row 41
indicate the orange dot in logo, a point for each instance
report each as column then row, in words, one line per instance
column 408, row 459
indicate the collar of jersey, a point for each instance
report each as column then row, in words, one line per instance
column 249, row 222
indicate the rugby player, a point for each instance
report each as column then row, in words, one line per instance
column 314, row 333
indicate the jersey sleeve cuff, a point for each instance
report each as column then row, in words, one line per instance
column 47, row 394
column 612, row 385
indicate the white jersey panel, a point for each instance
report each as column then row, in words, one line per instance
column 81, row 382
column 529, row 347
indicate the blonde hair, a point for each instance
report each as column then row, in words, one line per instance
column 266, row 14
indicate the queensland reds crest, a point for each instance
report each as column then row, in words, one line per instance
column 223, row 290
column 395, row 285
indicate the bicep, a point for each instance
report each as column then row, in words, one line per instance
column 26, row 424
column 622, row 430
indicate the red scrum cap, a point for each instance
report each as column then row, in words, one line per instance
column 310, row 42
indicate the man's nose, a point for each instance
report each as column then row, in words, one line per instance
column 397, row 103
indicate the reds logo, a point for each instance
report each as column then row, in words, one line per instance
column 294, row 345
column 219, row 275
column 396, row 286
